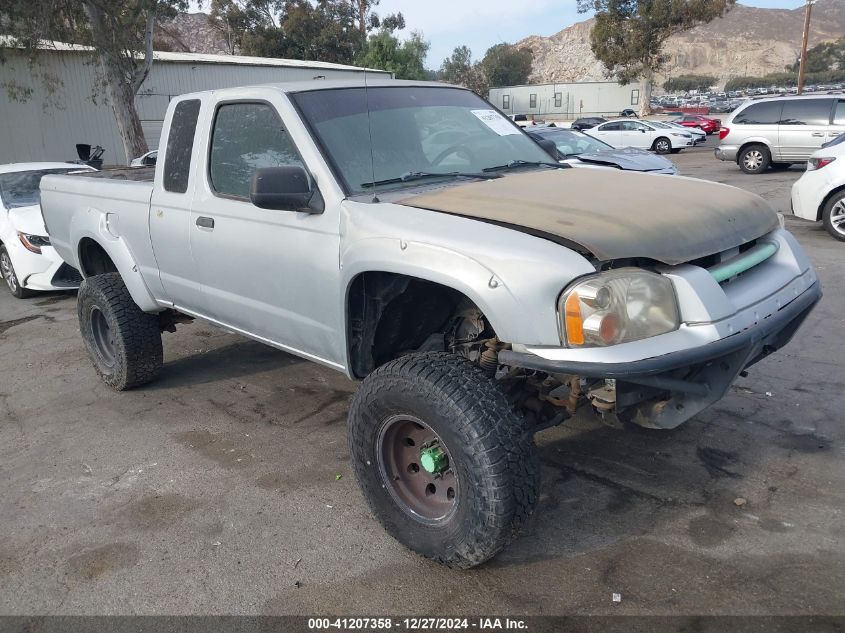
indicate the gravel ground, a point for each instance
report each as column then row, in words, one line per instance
column 216, row 489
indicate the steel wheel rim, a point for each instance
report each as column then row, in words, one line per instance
column 103, row 337
column 430, row 498
column 753, row 159
column 837, row 217
column 8, row 272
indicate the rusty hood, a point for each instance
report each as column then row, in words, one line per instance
column 613, row 215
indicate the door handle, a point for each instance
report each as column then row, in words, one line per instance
column 818, row 133
column 205, row 223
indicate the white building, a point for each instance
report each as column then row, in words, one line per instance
column 567, row 100
column 47, row 127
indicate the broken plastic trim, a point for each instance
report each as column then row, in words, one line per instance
column 754, row 256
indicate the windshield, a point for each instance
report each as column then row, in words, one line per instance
column 572, row 143
column 20, row 188
column 414, row 129
column 659, row 124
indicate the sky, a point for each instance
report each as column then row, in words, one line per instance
column 480, row 24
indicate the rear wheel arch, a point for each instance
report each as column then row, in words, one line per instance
column 93, row 259
column 389, row 314
column 827, row 198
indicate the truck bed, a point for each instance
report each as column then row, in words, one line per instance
column 135, row 174
column 75, row 203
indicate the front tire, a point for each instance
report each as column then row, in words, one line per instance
column 662, row 145
column 123, row 341
column 442, row 457
column 755, row 159
column 7, row 270
column 833, row 216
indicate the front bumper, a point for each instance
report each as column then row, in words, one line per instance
column 726, row 152
column 664, row 391
column 45, row 271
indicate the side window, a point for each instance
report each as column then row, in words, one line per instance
column 558, row 99
column 532, row 101
column 806, row 112
column 247, row 136
column 180, row 145
column 766, row 113
column 506, row 102
column 611, row 127
column 839, row 115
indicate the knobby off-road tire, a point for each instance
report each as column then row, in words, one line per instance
column 123, row 342
column 493, row 475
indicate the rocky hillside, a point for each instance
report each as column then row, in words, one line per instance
column 747, row 41
column 190, row 33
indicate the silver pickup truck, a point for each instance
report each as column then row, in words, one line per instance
column 410, row 235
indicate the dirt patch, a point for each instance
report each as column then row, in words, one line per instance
column 5, row 325
column 158, row 511
column 99, row 561
column 216, row 447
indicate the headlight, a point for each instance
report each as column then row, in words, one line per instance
column 33, row 242
column 618, row 306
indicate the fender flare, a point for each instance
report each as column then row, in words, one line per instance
column 442, row 266
column 94, row 225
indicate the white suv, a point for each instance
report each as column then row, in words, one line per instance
column 781, row 131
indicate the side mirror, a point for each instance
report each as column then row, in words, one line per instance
column 642, row 130
column 549, row 147
column 286, row 188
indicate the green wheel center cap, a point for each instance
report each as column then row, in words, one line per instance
column 433, row 459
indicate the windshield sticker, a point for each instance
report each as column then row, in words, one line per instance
column 496, row 122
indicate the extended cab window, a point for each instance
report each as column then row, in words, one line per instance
column 180, row 145
column 766, row 113
column 247, row 136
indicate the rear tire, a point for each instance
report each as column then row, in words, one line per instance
column 7, row 271
column 490, row 477
column 754, row 159
column 123, row 341
column 662, row 145
column 833, row 216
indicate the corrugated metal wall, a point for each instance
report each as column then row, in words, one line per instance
column 567, row 100
column 47, row 127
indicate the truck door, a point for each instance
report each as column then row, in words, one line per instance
column 170, row 209
column 269, row 273
column 804, row 127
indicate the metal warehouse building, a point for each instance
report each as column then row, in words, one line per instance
column 567, row 100
column 48, row 126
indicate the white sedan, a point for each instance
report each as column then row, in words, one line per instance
column 819, row 195
column 28, row 262
column 628, row 133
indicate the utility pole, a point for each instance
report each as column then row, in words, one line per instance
column 808, row 11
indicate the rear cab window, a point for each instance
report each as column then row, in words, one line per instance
column 180, row 145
